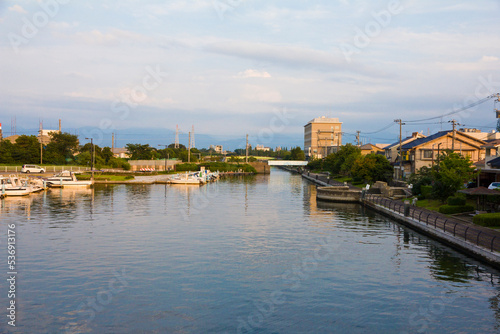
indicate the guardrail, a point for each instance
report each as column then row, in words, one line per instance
column 48, row 169
column 467, row 232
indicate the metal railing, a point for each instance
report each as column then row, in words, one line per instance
column 479, row 237
column 48, row 169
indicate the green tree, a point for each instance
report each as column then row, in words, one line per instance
column 26, row 150
column 6, row 150
column 315, row 164
column 372, row 168
column 142, row 152
column 296, row 153
column 451, row 173
column 106, row 154
column 423, row 177
column 344, row 159
column 61, row 148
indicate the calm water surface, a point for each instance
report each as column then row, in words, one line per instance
column 244, row 255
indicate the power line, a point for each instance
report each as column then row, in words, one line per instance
column 455, row 111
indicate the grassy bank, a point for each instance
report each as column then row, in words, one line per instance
column 106, row 177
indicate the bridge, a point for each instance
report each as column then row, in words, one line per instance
column 286, row 163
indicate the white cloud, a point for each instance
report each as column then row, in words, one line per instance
column 253, row 74
column 489, row 59
column 18, row 9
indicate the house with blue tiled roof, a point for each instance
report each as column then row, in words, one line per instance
column 424, row 151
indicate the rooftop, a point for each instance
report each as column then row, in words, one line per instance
column 324, row 119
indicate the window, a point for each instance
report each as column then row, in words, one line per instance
column 427, row 154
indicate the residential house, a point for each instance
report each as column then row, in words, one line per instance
column 424, row 151
column 371, row 149
column 392, row 150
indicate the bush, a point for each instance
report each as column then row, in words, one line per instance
column 451, row 209
column 487, row 219
column 426, row 191
column 456, row 200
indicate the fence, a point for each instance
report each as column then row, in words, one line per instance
column 483, row 238
column 48, row 169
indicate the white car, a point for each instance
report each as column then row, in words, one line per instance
column 494, row 185
column 32, row 169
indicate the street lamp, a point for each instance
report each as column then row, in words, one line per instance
column 92, row 156
column 167, row 155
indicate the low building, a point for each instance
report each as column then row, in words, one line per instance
column 217, row 149
column 262, row 148
column 424, row 151
column 371, row 149
column 120, row 153
column 44, row 135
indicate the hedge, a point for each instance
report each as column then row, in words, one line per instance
column 487, row 219
column 426, row 191
column 456, row 200
column 451, row 209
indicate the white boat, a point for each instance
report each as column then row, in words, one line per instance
column 11, row 186
column 187, row 179
column 66, row 179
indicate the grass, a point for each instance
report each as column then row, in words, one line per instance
column 106, row 177
column 349, row 180
column 430, row 204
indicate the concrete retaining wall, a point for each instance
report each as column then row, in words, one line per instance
column 341, row 194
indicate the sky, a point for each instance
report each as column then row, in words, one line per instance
column 236, row 67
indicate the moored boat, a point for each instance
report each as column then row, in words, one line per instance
column 11, row 186
column 67, row 179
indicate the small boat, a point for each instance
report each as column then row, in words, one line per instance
column 187, row 179
column 11, row 186
column 66, row 179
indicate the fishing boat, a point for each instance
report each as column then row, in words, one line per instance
column 66, row 179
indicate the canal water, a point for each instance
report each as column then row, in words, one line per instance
column 251, row 254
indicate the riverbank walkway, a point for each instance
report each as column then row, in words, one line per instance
column 477, row 241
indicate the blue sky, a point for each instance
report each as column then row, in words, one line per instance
column 229, row 67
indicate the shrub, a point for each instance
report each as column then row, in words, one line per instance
column 487, row 219
column 451, row 209
column 456, row 200
column 426, row 191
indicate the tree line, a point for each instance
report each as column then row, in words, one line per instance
column 64, row 148
column 349, row 162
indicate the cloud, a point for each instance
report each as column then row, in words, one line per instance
column 253, row 74
column 113, row 37
column 489, row 59
column 297, row 57
column 18, row 9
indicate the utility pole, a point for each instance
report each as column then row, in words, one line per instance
column 41, row 143
column 400, row 173
column 357, row 138
column 113, row 143
column 453, row 122
column 92, row 156
column 246, row 151
column 189, row 148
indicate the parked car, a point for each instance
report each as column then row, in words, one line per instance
column 494, row 185
column 32, row 169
